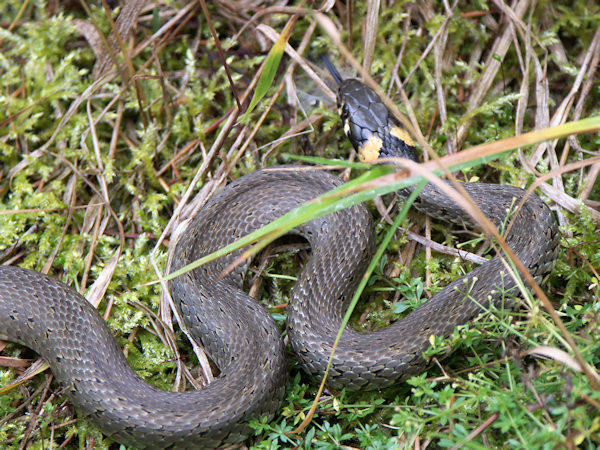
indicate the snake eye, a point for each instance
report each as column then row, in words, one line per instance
column 344, row 112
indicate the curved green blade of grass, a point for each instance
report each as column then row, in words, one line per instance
column 365, row 187
column 354, row 165
column 361, row 189
column 270, row 67
column 327, row 203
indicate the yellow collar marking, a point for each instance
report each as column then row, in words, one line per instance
column 402, row 135
column 370, row 150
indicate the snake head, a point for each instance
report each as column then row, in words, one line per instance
column 372, row 129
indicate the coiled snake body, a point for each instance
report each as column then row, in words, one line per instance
column 238, row 334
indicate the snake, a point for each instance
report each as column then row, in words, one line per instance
column 239, row 335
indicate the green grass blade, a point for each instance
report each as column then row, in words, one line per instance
column 361, row 189
column 270, row 67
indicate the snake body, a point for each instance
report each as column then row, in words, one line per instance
column 238, row 334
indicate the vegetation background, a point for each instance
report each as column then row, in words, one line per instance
column 100, row 139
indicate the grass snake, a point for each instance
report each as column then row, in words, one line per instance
column 238, row 334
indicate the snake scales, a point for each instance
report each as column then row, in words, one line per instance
column 238, row 334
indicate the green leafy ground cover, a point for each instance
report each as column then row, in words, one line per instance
column 139, row 136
